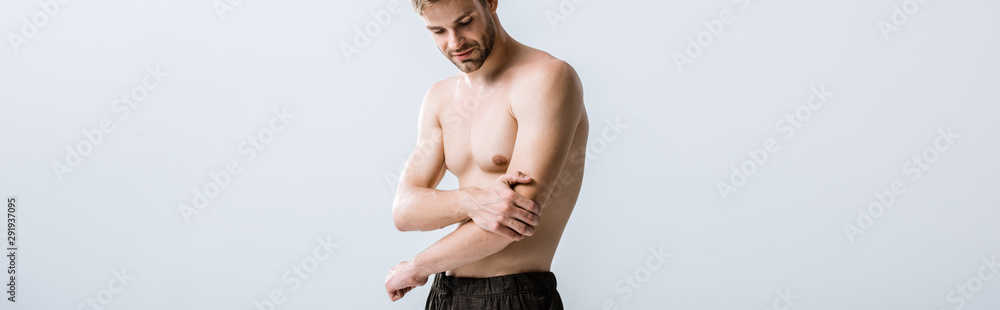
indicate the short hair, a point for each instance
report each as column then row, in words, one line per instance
column 420, row 5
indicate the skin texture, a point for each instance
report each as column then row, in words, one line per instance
column 513, row 128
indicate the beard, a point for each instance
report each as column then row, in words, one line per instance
column 475, row 61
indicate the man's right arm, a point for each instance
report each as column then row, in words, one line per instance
column 419, row 206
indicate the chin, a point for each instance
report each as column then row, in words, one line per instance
column 469, row 69
column 466, row 67
column 470, row 65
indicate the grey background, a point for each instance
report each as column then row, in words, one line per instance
column 329, row 174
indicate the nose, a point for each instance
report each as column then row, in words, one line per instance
column 455, row 41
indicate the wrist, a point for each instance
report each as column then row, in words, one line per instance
column 416, row 270
column 469, row 204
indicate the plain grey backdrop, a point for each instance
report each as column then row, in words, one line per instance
column 315, row 104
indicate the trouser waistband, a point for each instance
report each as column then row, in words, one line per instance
column 505, row 284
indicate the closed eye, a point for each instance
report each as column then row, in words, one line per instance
column 466, row 22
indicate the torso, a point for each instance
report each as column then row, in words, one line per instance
column 479, row 135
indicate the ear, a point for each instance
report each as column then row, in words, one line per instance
column 492, row 5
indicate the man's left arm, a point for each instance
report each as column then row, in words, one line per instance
column 548, row 109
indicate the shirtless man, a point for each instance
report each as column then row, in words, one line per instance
column 513, row 128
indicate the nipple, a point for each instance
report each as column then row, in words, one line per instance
column 499, row 160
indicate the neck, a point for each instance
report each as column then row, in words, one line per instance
column 503, row 50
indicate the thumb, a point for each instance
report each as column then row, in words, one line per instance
column 523, row 178
column 508, row 179
column 520, row 177
column 512, row 178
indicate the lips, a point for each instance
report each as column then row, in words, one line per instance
column 463, row 56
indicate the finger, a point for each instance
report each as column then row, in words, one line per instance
column 510, row 233
column 508, row 179
column 512, row 178
column 521, row 228
column 401, row 293
column 527, row 217
column 527, row 204
column 523, row 178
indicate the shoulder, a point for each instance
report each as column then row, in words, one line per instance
column 442, row 89
column 437, row 94
column 546, row 71
column 549, row 82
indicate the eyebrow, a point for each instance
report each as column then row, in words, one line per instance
column 457, row 20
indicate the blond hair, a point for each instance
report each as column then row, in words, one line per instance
column 420, row 5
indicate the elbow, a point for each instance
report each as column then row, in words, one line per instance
column 399, row 211
column 401, row 225
column 400, row 220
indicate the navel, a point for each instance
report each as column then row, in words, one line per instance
column 499, row 160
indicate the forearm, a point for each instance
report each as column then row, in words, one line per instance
column 465, row 245
column 425, row 209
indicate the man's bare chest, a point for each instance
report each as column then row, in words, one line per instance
column 479, row 132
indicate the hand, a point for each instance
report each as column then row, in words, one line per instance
column 505, row 212
column 401, row 279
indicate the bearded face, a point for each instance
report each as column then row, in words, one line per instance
column 464, row 31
